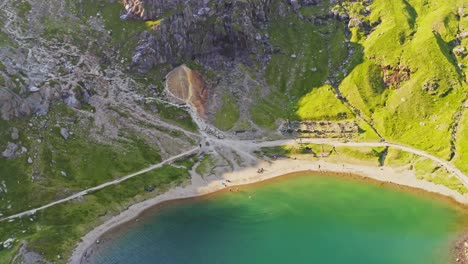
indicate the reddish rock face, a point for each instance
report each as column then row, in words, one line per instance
column 188, row 86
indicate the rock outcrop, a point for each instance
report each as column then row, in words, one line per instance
column 325, row 129
column 216, row 34
column 149, row 9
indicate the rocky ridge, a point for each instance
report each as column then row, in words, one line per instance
column 215, row 34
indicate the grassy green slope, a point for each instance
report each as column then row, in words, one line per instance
column 85, row 163
column 306, row 56
column 54, row 231
column 417, row 35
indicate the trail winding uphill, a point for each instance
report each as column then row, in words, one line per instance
column 99, row 187
column 246, row 148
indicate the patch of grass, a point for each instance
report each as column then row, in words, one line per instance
column 461, row 158
column 306, row 55
column 188, row 163
column 23, row 7
column 372, row 155
column 364, row 87
column 173, row 115
column 123, row 32
column 151, row 24
column 409, row 113
column 55, row 231
column 228, row 115
column 396, row 157
column 206, row 165
column 279, row 151
column 430, row 171
column 84, row 162
column 321, row 104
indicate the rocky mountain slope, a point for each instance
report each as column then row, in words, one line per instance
column 83, row 95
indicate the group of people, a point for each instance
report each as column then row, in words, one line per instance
column 261, row 170
column 230, row 189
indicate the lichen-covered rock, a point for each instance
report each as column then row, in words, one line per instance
column 10, row 150
column 64, row 133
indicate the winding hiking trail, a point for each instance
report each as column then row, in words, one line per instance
column 245, row 148
column 99, row 187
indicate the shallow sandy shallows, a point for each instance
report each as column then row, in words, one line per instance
column 275, row 169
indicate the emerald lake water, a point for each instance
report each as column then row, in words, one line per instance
column 301, row 219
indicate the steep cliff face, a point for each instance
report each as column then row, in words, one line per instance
column 215, row 34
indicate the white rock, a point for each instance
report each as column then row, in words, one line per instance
column 8, row 243
column 34, row 89
column 10, row 150
column 30, row 161
column 64, row 132
column 293, row 56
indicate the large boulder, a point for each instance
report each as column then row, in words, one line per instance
column 10, row 150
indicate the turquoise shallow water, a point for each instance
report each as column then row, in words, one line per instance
column 301, row 219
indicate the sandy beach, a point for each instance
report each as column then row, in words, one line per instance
column 200, row 187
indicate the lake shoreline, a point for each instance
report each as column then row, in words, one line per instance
column 460, row 249
column 398, row 178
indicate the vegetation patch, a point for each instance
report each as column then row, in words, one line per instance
column 173, row 115
column 321, row 104
column 206, row 165
column 306, row 54
column 54, row 231
column 228, row 115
